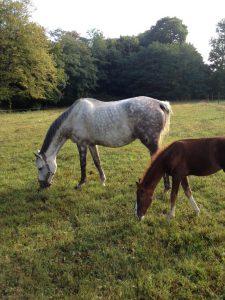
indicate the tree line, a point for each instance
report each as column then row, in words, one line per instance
column 58, row 67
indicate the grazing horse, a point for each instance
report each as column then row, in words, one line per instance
column 89, row 122
column 200, row 157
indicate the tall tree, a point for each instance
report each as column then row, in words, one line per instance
column 167, row 31
column 217, row 61
column 118, row 52
column 217, row 53
column 79, row 66
column 26, row 68
column 97, row 44
column 166, row 71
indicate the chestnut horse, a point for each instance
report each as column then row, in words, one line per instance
column 200, row 157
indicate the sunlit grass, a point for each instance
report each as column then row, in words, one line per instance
column 63, row 243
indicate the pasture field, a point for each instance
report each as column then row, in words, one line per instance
column 67, row 244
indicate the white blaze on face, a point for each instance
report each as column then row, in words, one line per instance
column 136, row 214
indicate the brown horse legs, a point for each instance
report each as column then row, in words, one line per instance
column 188, row 193
column 175, row 187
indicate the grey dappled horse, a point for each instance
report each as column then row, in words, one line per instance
column 89, row 122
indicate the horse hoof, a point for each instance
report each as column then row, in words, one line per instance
column 166, row 189
column 197, row 212
column 79, row 186
column 170, row 217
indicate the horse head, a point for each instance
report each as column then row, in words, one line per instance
column 143, row 200
column 46, row 169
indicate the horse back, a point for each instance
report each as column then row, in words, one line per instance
column 200, row 157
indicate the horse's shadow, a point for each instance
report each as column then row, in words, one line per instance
column 19, row 204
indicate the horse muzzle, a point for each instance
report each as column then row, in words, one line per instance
column 140, row 218
column 44, row 184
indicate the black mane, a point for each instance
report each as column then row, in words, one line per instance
column 53, row 129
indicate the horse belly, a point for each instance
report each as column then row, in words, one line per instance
column 111, row 128
column 205, row 170
column 113, row 138
column 103, row 125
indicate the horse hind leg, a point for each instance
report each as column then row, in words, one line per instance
column 188, row 193
column 97, row 162
column 83, row 160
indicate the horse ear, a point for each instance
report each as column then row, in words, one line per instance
column 37, row 154
column 138, row 183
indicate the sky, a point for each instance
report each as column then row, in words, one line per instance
column 116, row 18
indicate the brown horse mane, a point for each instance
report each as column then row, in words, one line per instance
column 154, row 161
column 160, row 154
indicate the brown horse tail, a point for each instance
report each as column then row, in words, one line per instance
column 166, row 108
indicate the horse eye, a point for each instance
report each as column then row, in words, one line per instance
column 40, row 168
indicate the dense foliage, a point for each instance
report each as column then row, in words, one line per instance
column 27, row 69
column 62, row 66
column 217, row 59
column 166, row 31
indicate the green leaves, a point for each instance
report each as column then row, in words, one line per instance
column 158, row 62
column 78, row 64
column 166, row 71
column 27, row 69
column 217, row 54
column 217, row 60
column 167, row 31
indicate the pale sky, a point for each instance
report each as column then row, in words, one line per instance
column 131, row 17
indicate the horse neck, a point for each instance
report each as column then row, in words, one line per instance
column 55, row 146
column 56, row 143
column 153, row 175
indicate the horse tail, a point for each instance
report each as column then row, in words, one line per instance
column 166, row 108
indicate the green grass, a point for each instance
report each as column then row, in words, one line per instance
column 67, row 244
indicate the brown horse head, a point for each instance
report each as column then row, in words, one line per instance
column 143, row 200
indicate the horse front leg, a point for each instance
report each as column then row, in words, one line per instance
column 83, row 158
column 166, row 182
column 188, row 193
column 97, row 162
column 175, row 187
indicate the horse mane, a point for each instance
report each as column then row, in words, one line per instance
column 155, row 160
column 54, row 128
